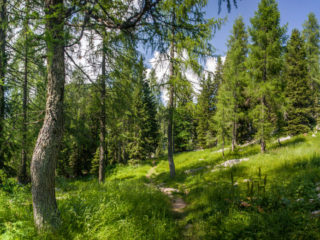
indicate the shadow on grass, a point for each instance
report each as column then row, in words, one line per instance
column 115, row 210
column 215, row 209
column 198, row 168
column 217, row 212
column 288, row 143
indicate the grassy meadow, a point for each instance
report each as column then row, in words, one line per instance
column 269, row 196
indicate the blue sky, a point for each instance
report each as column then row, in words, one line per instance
column 293, row 12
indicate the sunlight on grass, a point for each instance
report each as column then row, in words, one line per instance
column 291, row 172
column 272, row 198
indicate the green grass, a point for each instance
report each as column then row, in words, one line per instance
column 128, row 207
column 119, row 209
column 215, row 210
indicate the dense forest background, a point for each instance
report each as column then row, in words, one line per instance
column 267, row 86
column 227, row 109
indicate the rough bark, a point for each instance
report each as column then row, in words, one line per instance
column 23, row 178
column 44, row 159
column 102, row 120
column 3, row 64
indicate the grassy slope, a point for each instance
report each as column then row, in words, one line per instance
column 215, row 209
column 126, row 207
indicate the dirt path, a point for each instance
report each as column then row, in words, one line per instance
column 178, row 204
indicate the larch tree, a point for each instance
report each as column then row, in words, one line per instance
column 186, row 33
column 311, row 35
column 171, row 95
column 45, row 154
column 25, row 73
column 235, row 76
column 102, row 118
column 298, row 88
column 264, row 66
column 22, row 176
column 148, row 18
column 46, row 151
column 3, row 64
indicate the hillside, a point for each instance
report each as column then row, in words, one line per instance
column 264, row 196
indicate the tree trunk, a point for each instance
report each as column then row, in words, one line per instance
column 263, row 145
column 44, row 159
column 262, row 140
column 23, row 178
column 223, row 145
column 102, row 148
column 279, row 142
column 171, row 107
column 263, row 104
column 234, row 135
column 170, row 120
column 3, row 65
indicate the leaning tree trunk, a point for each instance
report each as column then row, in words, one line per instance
column 23, row 178
column 3, row 64
column 102, row 149
column 44, row 159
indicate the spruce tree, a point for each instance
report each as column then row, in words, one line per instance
column 183, row 117
column 311, row 35
column 221, row 119
column 298, row 91
column 145, row 130
column 152, row 125
column 206, row 108
column 235, row 76
column 264, row 68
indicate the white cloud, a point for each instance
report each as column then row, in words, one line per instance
column 160, row 63
column 211, row 63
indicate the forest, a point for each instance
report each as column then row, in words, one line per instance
column 96, row 143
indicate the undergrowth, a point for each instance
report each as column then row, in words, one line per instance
column 270, row 196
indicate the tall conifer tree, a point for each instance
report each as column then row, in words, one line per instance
column 221, row 118
column 146, row 129
column 206, row 108
column 311, row 35
column 235, row 75
column 264, row 65
column 3, row 68
column 298, row 88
